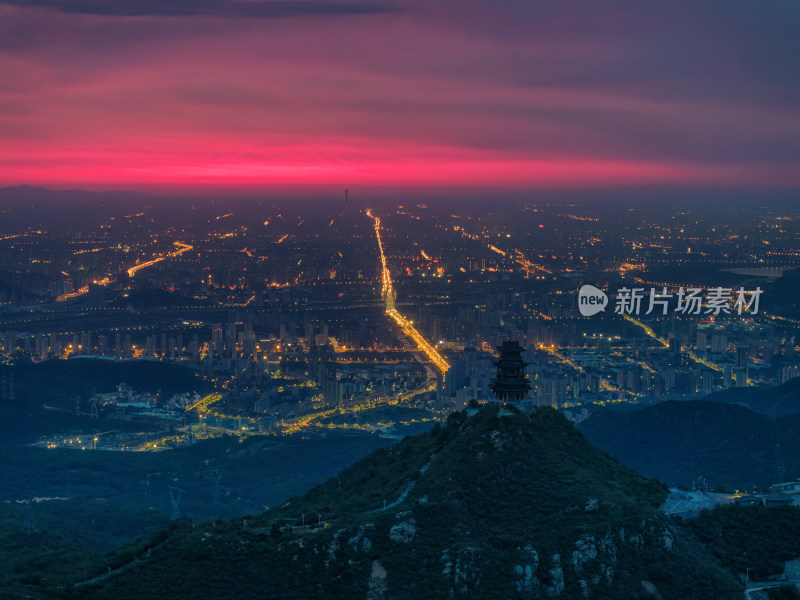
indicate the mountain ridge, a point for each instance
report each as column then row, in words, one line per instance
column 497, row 505
column 729, row 445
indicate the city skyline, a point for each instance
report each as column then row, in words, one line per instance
column 399, row 299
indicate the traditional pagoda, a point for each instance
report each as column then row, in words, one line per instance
column 510, row 384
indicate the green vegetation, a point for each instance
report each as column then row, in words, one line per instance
column 111, row 499
column 786, row 592
column 498, row 505
column 47, row 545
column 750, row 537
column 778, row 401
column 494, row 506
column 731, row 446
column 58, row 378
column 56, row 383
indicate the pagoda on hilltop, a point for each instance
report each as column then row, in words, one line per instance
column 511, row 384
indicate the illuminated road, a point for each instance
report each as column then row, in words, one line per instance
column 83, row 290
column 422, row 344
column 202, row 404
column 131, row 272
column 649, row 331
column 387, row 291
column 782, row 320
column 386, row 277
column 307, row 420
column 529, row 266
column 517, row 255
column 181, row 249
column 561, row 358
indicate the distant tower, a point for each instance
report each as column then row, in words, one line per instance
column 93, row 414
column 510, row 384
column 346, row 197
column 11, row 395
column 77, row 406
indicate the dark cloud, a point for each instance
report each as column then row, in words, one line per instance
column 680, row 90
column 262, row 9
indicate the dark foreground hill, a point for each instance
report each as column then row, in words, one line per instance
column 677, row 442
column 492, row 506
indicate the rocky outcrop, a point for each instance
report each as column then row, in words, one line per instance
column 404, row 532
column 526, row 581
column 377, row 582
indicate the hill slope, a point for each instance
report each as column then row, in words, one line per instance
column 494, row 506
column 777, row 401
column 679, row 441
column 56, row 383
column 731, row 446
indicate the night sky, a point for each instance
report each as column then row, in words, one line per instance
column 519, row 94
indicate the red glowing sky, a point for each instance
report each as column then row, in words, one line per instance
column 526, row 94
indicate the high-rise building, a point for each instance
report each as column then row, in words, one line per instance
column 788, row 373
column 702, row 341
column 741, row 356
column 707, row 381
column 719, row 343
column 332, row 388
